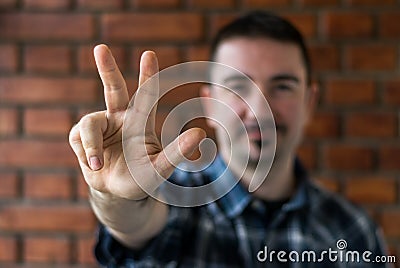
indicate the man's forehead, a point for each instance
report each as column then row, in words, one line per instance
column 258, row 57
column 248, row 43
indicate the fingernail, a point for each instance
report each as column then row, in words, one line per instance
column 95, row 163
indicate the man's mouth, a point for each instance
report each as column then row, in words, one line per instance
column 256, row 136
column 254, row 132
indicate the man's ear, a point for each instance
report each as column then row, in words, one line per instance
column 312, row 100
column 205, row 95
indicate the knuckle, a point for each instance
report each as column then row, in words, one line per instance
column 92, row 150
column 91, row 145
column 115, row 85
column 73, row 136
column 88, row 121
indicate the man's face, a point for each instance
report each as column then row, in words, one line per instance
column 278, row 69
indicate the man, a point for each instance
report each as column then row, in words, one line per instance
column 287, row 221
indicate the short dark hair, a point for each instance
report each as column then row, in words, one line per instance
column 266, row 25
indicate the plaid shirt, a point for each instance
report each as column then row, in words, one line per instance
column 239, row 230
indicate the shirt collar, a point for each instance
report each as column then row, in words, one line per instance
column 236, row 200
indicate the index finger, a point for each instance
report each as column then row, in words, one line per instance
column 115, row 91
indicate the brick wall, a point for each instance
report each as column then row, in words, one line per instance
column 48, row 80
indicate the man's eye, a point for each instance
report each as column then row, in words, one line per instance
column 283, row 87
column 238, row 87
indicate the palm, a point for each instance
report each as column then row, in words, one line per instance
column 100, row 135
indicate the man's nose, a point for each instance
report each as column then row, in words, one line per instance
column 258, row 105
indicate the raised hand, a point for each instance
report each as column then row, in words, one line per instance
column 97, row 138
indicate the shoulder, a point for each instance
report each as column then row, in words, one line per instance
column 342, row 218
column 335, row 207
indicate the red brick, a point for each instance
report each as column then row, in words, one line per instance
column 368, row 124
column 358, row 3
column 8, row 58
column 8, row 4
column 349, row 157
column 84, row 110
column 156, row 4
column 328, row 183
column 392, row 92
column 220, row 20
column 305, row 23
column 53, row 59
column 263, row 3
column 324, row 57
column 24, row 90
column 371, row 57
column 211, row 4
column 388, row 24
column 36, row 153
column 47, row 186
column 42, row 121
column 8, row 186
column 307, row 155
column 348, row 24
column 318, row 2
column 8, row 249
column 152, row 27
column 350, row 92
column 198, row 53
column 46, row 26
column 391, row 249
column 323, row 125
column 179, row 95
column 100, row 4
column 367, row 190
column 390, row 221
column 85, row 250
column 8, row 121
column 86, row 63
column 167, row 56
column 132, row 84
column 47, row 218
column 85, row 60
column 389, row 157
column 47, row 4
column 47, row 249
column 82, row 187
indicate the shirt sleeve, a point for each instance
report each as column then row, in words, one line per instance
column 158, row 252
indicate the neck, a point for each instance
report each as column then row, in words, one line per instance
column 280, row 182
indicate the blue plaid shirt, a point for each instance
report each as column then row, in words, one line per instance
column 314, row 228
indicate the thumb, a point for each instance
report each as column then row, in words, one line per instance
column 181, row 148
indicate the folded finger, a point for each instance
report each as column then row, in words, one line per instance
column 76, row 144
column 92, row 127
